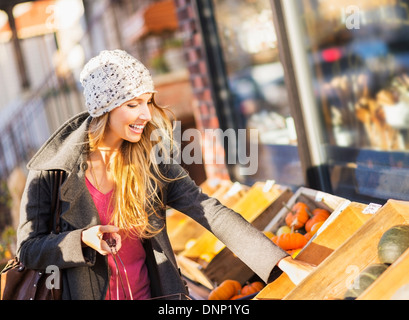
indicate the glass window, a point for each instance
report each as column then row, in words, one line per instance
column 358, row 54
column 256, row 81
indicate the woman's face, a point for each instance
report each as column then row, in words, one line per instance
column 127, row 121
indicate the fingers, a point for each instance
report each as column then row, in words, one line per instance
column 94, row 238
column 117, row 239
column 108, row 228
column 105, row 249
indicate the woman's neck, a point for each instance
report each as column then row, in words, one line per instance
column 99, row 169
column 104, row 154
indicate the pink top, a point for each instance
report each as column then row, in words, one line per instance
column 132, row 254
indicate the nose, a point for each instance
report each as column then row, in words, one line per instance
column 145, row 113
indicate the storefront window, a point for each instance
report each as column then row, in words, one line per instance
column 358, row 54
column 256, row 82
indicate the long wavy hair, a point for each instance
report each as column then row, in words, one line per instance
column 138, row 180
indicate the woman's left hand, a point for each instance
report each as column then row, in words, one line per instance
column 96, row 236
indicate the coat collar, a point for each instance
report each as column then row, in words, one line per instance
column 65, row 147
column 66, row 150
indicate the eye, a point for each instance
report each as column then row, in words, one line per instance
column 150, row 102
column 133, row 105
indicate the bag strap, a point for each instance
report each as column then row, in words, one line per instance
column 58, row 179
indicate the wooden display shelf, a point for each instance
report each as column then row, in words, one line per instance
column 277, row 289
column 333, row 276
column 341, row 224
column 258, row 206
column 390, row 281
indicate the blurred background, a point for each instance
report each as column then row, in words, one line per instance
column 325, row 83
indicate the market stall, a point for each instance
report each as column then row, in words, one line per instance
column 331, row 245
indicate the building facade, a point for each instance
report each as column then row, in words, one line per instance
column 314, row 93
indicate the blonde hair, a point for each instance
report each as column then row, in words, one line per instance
column 137, row 177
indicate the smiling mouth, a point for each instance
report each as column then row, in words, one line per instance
column 137, row 127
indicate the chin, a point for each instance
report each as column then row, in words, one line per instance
column 133, row 140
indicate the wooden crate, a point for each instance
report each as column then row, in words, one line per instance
column 333, row 276
column 228, row 193
column 341, row 224
column 314, row 199
column 258, row 206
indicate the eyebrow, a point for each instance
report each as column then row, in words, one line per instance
column 139, row 99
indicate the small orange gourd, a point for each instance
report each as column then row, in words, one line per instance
column 308, row 235
column 252, row 288
column 290, row 241
column 297, row 216
column 321, row 212
column 226, row 290
column 318, row 215
column 316, row 226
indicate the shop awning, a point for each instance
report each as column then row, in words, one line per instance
column 36, row 20
column 156, row 18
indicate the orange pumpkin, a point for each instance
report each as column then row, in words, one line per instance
column 321, row 212
column 297, row 216
column 226, row 290
column 311, row 222
column 316, row 226
column 318, row 217
column 300, row 206
column 308, row 235
column 252, row 288
column 290, row 241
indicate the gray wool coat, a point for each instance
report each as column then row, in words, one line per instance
column 85, row 272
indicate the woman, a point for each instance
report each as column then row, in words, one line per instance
column 115, row 189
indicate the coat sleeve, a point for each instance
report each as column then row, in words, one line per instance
column 37, row 248
column 243, row 239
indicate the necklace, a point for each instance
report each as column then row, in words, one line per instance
column 94, row 177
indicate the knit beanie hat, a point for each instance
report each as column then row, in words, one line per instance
column 112, row 78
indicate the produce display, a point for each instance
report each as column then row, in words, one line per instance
column 391, row 246
column 301, row 223
column 365, row 279
column 345, row 240
column 233, row 290
column 206, row 260
column 393, row 243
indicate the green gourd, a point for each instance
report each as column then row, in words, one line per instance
column 393, row 243
column 364, row 280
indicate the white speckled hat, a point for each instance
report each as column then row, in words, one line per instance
column 112, row 78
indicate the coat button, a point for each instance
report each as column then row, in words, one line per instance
column 84, row 166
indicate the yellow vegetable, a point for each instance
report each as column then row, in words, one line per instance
column 283, row 229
